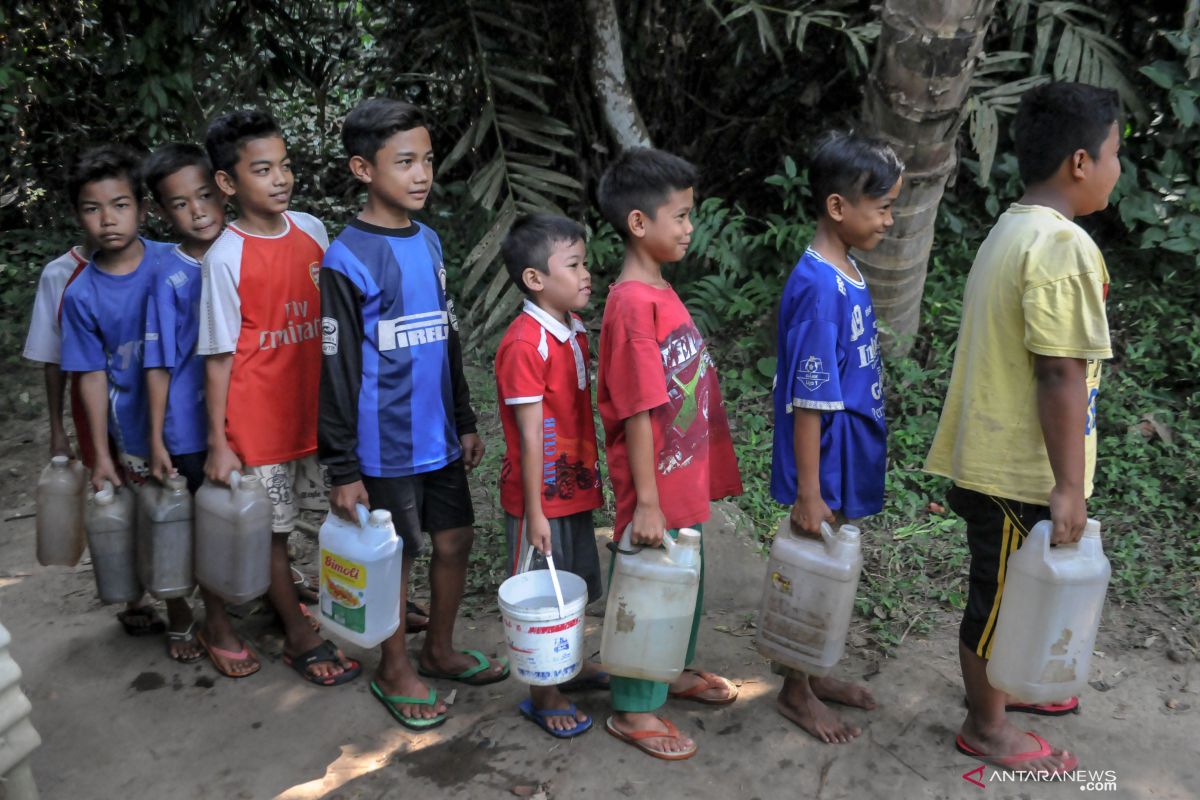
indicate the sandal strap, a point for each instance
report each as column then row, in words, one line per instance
column 399, row 699
column 325, row 652
column 671, row 733
column 481, row 663
column 183, row 636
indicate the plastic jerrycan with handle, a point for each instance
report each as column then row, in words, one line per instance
column 808, row 597
column 1049, row 616
column 164, row 542
column 233, row 538
column 61, row 499
column 111, row 533
column 651, row 603
column 361, row 564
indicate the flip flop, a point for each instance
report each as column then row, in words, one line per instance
column 1068, row 706
column 215, row 654
column 1017, row 760
column 481, row 664
column 413, row 608
column 152, row 628
column 539, row 717
column 324, row 653
column 185, row 637
column 637, row 740
column 592, row 682
column 711, row 681
column 390, row 701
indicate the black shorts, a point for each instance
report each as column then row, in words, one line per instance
column 996, row 528
column 191, row 467
column 431, row 501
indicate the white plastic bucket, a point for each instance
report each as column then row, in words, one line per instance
column 545, row 648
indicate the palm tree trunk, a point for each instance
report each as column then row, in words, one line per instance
column 924, row 61
column 608, row 77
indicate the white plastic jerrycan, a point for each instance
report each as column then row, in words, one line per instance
column 1049, row 615
column 164, row 543
column 651, row 603
column 361, row 565
column 61, row 498
column 808, row 597
column 111, row 525
column 233, row 538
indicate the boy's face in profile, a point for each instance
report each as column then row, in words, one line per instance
column 1101, row 174
column 262, row 179
column 667, row 234
column 191, row 203
column 401, row 174
column 109, row 213
column 864, row 222
column 568, row 284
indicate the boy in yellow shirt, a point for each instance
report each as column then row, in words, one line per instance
column 1018, row 430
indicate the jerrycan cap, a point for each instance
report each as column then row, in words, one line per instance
column 176, row 482
column 106, row 495
column 1091, row 529
column 380, row 518
column 59, row 462
column 688, row 537
column 849, row 533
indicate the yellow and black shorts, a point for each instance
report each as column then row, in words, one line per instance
column 996, row 528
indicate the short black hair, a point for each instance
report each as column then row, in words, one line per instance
column 640, row 179
column 169, row 159
column 374, row 121
column 1056, row 119
column 852, row 165
column 531, row 240
column 101, row 163
column 229, row 132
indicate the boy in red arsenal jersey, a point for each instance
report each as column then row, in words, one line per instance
column 260, row 321
column 668, row 443
column 550, row 478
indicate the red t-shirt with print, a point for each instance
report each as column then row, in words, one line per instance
column 652, row 358
column 541, row 359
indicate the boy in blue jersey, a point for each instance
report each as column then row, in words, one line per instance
column 830, row 449
column 103, row 327
column 395, row 426
column 180, row 178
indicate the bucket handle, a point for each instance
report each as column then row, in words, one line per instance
column 562, row 610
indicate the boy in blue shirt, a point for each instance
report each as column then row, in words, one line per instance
column 103, row 327
column 395, row 426
column 180, row 177
column 830, row 449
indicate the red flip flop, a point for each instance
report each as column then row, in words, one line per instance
column 637, row 739
column 1018, row 760
column 711, row 681
column 1068, row 706
column 221, row 657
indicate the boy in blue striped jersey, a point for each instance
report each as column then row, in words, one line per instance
column 396, row 429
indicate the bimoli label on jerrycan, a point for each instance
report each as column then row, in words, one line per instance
column 808, row 597
column 361, row 565
column 111, row 526
column 233, row 538
column 1049, row 615
column 61, row 499
column 651, row 602
column 164, row 542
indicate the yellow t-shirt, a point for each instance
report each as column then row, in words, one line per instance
column 1037, row 287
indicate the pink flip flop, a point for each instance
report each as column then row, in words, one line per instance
column 218, row 655
column 1018, row 760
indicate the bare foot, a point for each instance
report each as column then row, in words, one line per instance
column 831, row 690
column 1006, row 739
column 182, row 646
column 409, row 685
column 798, row 703
column 548, row 698
column 631, row 723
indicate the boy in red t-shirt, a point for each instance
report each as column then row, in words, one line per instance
column 668, row 443
column 550, row 478
column 260, row 326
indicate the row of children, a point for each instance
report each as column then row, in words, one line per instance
column 395, row 428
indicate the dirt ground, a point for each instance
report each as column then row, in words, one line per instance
column 118, row 719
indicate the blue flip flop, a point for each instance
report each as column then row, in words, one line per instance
column 538, row 717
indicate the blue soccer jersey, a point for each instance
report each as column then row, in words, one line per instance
column 172, row 329
column 103, row 328
column 393, row 398
column 829, row 362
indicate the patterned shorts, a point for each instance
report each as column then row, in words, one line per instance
column 292, row 486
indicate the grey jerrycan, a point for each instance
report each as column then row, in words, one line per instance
column 164, row 543
column 233, row 538
column 111, row 531
column 61, row 499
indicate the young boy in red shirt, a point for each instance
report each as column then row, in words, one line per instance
column 260, row 330
column 668, row 443
column 550, row 478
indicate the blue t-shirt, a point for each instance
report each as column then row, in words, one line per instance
column 395, row 280
column 829, row 361
column 172, row 328
column 103, row 327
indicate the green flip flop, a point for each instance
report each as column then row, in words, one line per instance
column 467, row 675
column 412, row 723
